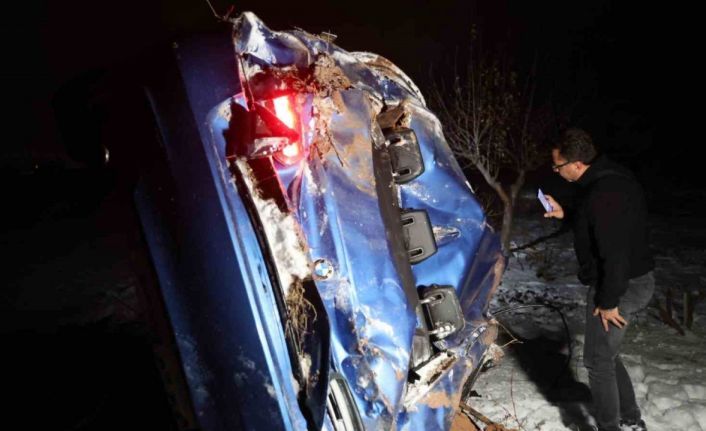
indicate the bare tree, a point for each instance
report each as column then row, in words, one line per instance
column 493, row 123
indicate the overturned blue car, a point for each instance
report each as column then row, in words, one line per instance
column 322, row 260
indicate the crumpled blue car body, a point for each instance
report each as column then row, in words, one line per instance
column 287, row 285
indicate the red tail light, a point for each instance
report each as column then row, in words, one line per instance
column 293, row 152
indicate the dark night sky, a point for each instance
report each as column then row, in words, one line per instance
column 612, row 53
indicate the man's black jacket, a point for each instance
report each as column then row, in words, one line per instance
column 610, row 230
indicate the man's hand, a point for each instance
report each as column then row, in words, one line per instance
column 558, row 211
column 611, row 315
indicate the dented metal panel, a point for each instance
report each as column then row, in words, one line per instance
column 321, row 240
column 335, row 196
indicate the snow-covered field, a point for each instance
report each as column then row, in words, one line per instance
column 534, row 387
column 69, row 309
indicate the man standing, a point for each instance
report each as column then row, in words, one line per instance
column 611, row 244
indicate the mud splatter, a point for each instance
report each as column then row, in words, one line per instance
column 438, row 399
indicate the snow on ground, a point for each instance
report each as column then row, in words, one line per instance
column 536, row 388
column 69, row 309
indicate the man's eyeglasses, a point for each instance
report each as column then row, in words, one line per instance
column 556, row 168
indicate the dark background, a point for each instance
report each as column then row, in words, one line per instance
column 621, row 64
column 78, row 358
column 614, row 55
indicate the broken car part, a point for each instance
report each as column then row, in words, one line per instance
column 307, row 159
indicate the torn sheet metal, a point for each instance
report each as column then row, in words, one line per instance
column 222, row 291
column 335, row 196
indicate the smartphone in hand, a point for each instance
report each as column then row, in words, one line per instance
column 545, row 203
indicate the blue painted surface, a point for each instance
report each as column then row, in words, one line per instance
column 213, row 273
column 210, row 267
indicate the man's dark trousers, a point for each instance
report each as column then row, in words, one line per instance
column 613, row 394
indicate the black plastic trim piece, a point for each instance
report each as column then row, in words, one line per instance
column 418, row 235
column 405, row 154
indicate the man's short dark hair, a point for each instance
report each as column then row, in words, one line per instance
column 576, row 145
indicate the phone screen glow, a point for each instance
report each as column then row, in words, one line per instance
column 545, row 203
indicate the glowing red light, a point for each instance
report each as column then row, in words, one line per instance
column 292, row 152
column 284, row 111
